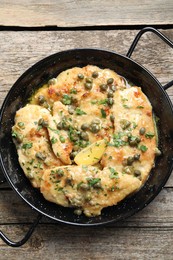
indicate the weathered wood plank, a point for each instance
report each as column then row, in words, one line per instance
column 15, row 210
column 62, row 242
column 71, row 13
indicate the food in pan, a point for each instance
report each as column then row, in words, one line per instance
column 87, row 139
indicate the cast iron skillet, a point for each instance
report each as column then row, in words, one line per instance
column 50, row 67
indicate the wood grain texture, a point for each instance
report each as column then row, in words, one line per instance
column 70, row 13
column 101, row 243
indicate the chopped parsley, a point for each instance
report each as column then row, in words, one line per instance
column 66, row 99
column 73, row 91
column 62, row 139
column 149, row 135
column 103, row 113
column 27, row 146
column 143, row 148
column 79, row 111
column 114, row 174
column 53, row 140
column 93, row 181
column 141, row 107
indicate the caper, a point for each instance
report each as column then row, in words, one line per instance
column 41, row 99
column 113, row 88
column 87, row 197
column 110, row 101
column 40, row 156
column 110, row 81
column 130, row 160
column 112, row 118
column 84, row 126
column 73, row 154
column 52, row 81
column 76, row 148
column 124, row 123
column 89, row 80
column 142, row 130
column 84, row 136
column 60, row 125
column 78, row 212
column 88, row 86
column 124, row 162
column 42, row 122
column 83, row 143
column 74, row 137
column 95, row 128
column 96, row 121
column 74, row 100
column 71, row 110
column 65, row 125
column 80, row 76
column 95, row 74
column 103, row 87
column 60, row 172
column 134, row 140
column 110, row 94
column 97, row 185
column 137, row 156
column 84, row 186
column 19, row 138
column 137, row 173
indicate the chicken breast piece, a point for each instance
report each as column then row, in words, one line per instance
column 32, row 142
column 86, row 187
column 134, row 142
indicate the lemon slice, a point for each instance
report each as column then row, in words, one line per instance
column 91, row 154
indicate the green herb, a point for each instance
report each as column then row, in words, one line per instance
column 66, row 99
column 53, row 130
column 21, row 124
column 103, row 113
column 149, row 135
column 27, row 146
column 126, row 106
column 143, row 148
column 14, row 134
column 73, row 91
column 134, row 125
column 114, row 174
column 103, row 101
column 53, row 140
column 79, row 112
column 93, row 102
column 62, row 139
column 93, row 181
column 140, row 107
column 79, row 184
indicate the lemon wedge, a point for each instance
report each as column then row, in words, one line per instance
column 91, row 154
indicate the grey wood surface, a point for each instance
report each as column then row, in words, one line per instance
column 146, row 235
column 70, row 13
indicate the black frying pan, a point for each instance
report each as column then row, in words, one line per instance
column 50, row 67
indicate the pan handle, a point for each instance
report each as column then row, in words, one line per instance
column 158, row 33
column 26, row 237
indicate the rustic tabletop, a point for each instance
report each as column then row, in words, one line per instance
column 31, row 30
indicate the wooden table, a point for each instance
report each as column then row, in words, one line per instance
column 31, row 30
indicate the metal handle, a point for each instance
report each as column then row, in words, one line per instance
column 26, row 237
column 158, row 33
